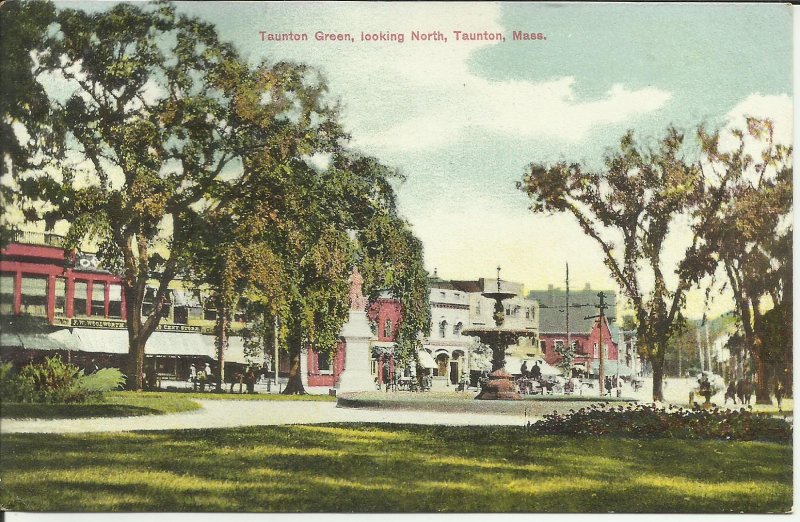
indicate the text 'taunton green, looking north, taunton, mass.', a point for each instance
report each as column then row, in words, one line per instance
column 400, row 37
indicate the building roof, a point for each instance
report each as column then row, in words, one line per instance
column 552, row 308
column 553, row 320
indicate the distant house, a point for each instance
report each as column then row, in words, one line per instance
column 584, row 334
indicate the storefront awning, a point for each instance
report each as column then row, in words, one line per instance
column 55, row 340
column 101, row 341
column 187, row 344
column 425, row 360
column 115, row 341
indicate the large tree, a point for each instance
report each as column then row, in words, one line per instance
column 629, row 208
column 247, row 235
column 750, row 237
column 24, row 121
column 139, row 104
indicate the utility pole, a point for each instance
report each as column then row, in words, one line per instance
column 602, row 306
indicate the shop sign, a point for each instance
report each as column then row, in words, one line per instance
column 111, row 324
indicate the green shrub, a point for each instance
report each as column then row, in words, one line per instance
column 12, row 388
column 53, row 381
column 107, row 379
column 56, row 382
column 647, row 421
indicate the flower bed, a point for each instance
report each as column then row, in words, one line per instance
column 648, row 421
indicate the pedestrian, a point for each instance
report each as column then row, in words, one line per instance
column 705, row 388
column 536, row 371
column 778, row 393
column 250, row 380
column 608, row 385
column 201, row 379
column 192, row 373
column 524, row 369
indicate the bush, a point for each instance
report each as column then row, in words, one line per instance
column 54, row 381
column 107, row 379
column 647, row 421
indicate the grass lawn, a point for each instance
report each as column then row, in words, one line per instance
column 388, row 468
column 124, row 404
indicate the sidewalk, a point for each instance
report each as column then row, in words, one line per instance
column 227, row 414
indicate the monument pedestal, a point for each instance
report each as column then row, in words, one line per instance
column 357, row 336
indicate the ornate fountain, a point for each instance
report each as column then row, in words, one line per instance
column 500, row 385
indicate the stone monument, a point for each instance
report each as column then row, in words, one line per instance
column 357, row 335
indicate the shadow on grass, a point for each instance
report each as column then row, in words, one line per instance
column 389, row 468
column 71, row 411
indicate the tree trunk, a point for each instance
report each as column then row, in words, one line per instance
column 221, row 328
column 135, row 366
column 295, row 384
column 762, row 381
column 658, row 373
column 133, row 317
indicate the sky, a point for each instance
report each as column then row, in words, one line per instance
column 462, row 119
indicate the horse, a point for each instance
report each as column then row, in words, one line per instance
column 743, row 391
column 731, row 392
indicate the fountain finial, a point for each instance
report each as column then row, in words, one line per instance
column 498, row 278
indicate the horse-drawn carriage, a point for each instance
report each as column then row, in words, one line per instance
column 708, row 385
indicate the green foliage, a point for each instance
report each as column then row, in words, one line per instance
column 104, row 380
column 566, row 356
column 646, row 421
column 52, row 381
column 56, row 382
column 638, row 196
column 750, row 238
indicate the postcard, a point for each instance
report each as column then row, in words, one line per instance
column 400, row 258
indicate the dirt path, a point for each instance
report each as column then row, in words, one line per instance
column 225, row 414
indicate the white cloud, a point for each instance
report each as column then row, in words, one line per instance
column 423, row 95
column 778, row 108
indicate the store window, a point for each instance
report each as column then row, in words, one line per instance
column 210, row 311
column 147, row 302
column 34, row 295
column 442, row 329
column 98, row 299
column 80, row 298
column 387, row 329
column 61, row 297
column 181, row 315
column 7, row 294
column 115, row 300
